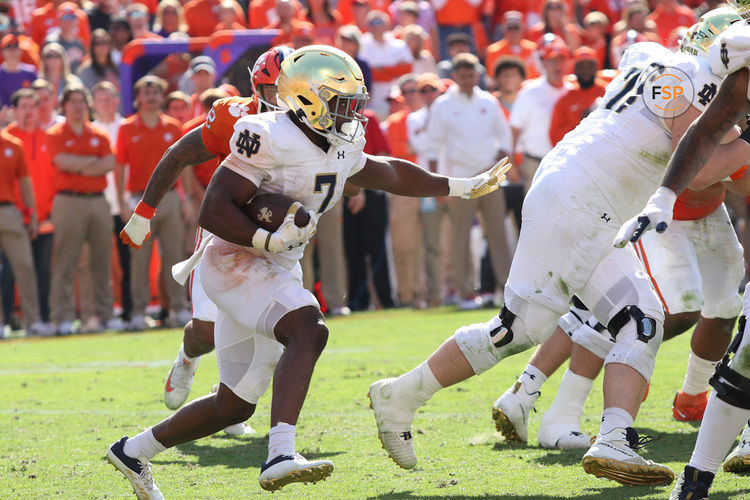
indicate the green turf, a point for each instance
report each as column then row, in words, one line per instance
column 63, row 401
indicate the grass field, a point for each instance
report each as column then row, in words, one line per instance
column 63, row 401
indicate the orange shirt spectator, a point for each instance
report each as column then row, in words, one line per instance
column 398, row 136
column 456, row 12
column 669, row 15
column 261, row 13
column 142, row 147
column 29, row 51
column 572, row 107
column 555, row 19
column 287, row 21
column 45, row 19
column 92, row 141
column 39, row 165
column 513, row 45
column 202, row 16
column 595, row 29
column 325, row 19
column 347, row 14
column 13, row 167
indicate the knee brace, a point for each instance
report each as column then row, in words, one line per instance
column 594, row 337
column 485, row 344
column 730, row 385
column 577, row 316
column 637, row 339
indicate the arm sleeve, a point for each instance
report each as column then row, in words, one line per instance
column 251, row 151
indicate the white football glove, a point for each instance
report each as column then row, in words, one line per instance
column 288, row 236
column 136, row 231
column 479, row 185
column 657, row 214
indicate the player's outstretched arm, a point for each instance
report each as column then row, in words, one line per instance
column 404, row 178
column 188, row 150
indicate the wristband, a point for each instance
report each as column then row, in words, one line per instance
column 145, row 210
column 457, row 186
column 261, row 239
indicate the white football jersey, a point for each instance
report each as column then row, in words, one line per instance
column 731, row 50
column 270, row 151
column 622, row 146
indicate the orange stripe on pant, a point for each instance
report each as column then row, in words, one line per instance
column 641, row 252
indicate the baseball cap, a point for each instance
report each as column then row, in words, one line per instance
column 430, row 80
column 9, row 40
column 585, row 54
column 513, row 18
column 203, row 63
column 555, row 49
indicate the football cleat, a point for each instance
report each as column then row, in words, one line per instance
column 137, row 471
column 688, row 407
column 511, row 416
column 613, row 456
column 286, row 469
column 739, row 459
column 692, row 484
column 179, row 381
column 394, row 424
column 241, row 429
column 562, row 436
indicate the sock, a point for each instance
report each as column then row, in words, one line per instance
column 613, row 418
column 184, row 357
column 698, row 372
column 721, row 424
column 281, row 440
column 528, row 385
column 572, row 394
column 143, row 445
column 414, row 388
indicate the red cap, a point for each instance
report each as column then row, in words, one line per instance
column 555, row 49
column 7, row 40
column 585, row 54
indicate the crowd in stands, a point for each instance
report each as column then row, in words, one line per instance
column 453, row 83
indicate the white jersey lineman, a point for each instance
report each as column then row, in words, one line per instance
column 252, row 288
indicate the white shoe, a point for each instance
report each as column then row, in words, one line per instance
column 562, row 435
column 739, row 459
column 39, row 329
column 613, row 456
column 92, row 325
column 137, row 471
column 114, row 324
column 137, row 323
column 471, row 304
column 286, row 469
column 394, row 424
column 511, row 416
column 65, row 328
column 179, row 381
column 241, row 429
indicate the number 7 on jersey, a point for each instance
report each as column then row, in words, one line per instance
column 328, row 180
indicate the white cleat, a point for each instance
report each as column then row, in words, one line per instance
column 179, row 381
column 739, row 460
column 613, row 456
column 137, row 471
column 286, row 469
column 394, row 424
column 511, row 416
column 562, row 436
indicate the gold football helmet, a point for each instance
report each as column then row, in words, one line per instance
column 742, row 6
column 702, row 34
column 324, row 86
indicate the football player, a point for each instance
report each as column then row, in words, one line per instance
column 696, row 271
column 268, row 325
column 201, row 144
column 729, row 406
column 586, row 187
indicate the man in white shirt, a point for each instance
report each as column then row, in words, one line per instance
column 388, row 58
column 532, row 110
column 106, row 102
column 468, row 125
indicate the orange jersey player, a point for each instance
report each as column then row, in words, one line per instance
column 201, row 144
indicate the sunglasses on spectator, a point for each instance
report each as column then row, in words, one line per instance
column 137, row 14
column 52, row 55
column 410, row 91
column 427, row 90
column 554, row 6
column 68, row 17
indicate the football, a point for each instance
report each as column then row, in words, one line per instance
column 268, row 211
